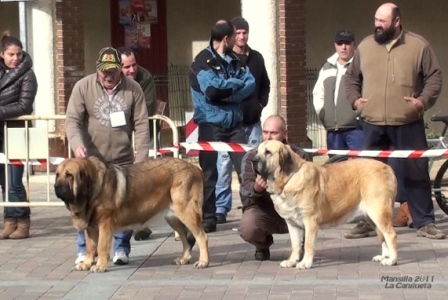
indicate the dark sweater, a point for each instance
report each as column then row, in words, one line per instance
column 253, row 105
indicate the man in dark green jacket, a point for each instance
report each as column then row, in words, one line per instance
column 144, row 78
column 130, row 69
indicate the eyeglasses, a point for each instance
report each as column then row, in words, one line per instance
column 343, row 43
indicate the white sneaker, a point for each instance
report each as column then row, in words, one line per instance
column 120, row 258
column 81, row 258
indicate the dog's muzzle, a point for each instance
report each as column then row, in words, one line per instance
column 63, row 192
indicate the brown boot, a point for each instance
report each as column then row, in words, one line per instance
column 362, row 230
column 10, row 227
column 22, row 231
column 403, row 217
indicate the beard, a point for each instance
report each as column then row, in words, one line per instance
column 383, row 36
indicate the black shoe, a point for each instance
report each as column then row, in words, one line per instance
column 209, row 225
column 221, row 219
column 143, row 234
column 262, row 254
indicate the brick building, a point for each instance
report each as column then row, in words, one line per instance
column 72, row 27
column 64, row 37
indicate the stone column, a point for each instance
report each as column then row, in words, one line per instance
column 40, row 45
column 262, row 18
column 277, row 30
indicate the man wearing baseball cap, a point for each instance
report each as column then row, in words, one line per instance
column 334, row 110
column 330, row 102
column 103, row 111
column 109, row 60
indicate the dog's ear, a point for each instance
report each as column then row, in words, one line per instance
column 286, row 160
column 83, row 184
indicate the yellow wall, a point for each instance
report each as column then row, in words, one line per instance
column 189, row 24
column 97, row 30
column 9, row 18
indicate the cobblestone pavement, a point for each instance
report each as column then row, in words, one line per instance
column 42, row 267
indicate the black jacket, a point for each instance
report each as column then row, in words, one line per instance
column 254, row 104
column 18, row 88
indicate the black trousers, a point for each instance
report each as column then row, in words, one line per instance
column 417, row 184
column 207, row 161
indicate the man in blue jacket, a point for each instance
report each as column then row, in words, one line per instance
column 219, row 82
column 251, row 108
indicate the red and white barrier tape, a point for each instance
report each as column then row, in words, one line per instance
column 217, row 146
column 235, row 147
column 383, row 153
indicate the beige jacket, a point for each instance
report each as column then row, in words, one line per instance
column 88, row 121
column 385, row 77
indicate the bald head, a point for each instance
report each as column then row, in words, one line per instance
column 387, row 23
column 274, row 128
column 389, row 10
column 222, row 29
column 386, row 8
column 221, row 22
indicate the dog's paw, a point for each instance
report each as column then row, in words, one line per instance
column 378, row 258
column 181, row 261
column 288, row 264
column 304, row 264
column 201, row 264
column 82, row 267
column 98, row 269
column 388, row 262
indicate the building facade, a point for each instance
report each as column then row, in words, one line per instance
column 64, row 37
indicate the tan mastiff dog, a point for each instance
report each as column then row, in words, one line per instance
column 309, row 196
column 103, row 199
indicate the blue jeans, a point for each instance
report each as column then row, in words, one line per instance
column 345, row 139
column 254, row 134
column 122, row 242
column 16, row 188
column 223, row 189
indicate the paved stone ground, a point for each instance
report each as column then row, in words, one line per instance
column 42, row 267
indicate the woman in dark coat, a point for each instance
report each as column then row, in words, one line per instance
column 18, row 87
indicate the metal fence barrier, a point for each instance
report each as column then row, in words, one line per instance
column 25, row 146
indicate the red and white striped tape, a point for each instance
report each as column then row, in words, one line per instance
column 191, row 132
column 235, row 147
column 383, row 153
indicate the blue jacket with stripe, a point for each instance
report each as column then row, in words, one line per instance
column 218, row 86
